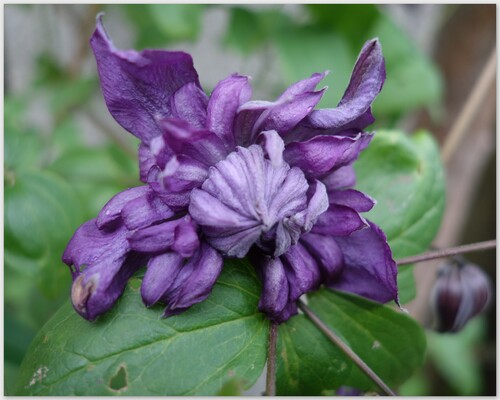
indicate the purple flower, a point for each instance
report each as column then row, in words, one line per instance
column 226, row 176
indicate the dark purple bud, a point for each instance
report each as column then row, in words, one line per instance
column 461, row 292
column 348, row 391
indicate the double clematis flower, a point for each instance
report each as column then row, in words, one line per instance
column 226, row 176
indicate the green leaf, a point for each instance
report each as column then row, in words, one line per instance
column 405, row 175
column 41, row 213
column 159, row 24
column 304, row 51
column 97, row 174
column 455, row 357
column 245, row 31
column 412, row 80
column 233, row 387
column 131, row 350
column 68, row 95
column 22, row 146
column 177, row 21
column 41, row 210
column 10, row 374
column 390, row 342
column 350, row 20
column 307, row 362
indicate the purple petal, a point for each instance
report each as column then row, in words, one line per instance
column 305, row 85
column 102, row 264
column 164, row 236
column 195, row 280
column 369, row 270
column 341, row 178
column 351, row 198
column 245, row 198
column 148, row 169
column 137, row 86
column 246, row 117
column 273, row 145
column 189, row 104
column 286, row 112
column 111, row 212
column 153, row 239
column 200, row 145
column 186, row 239
column 275, row 289
column 366, row 83
column 322, row 154
column 317, row 205
column 210, row 211
column 160, row 275
column 339, row 221
column 326, row 252
column 145, row 210
column 302, row 271
column 226, row 98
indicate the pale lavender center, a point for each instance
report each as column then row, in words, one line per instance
column 249, row 200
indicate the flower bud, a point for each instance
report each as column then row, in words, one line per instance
column 462, row 291
column 348, row 391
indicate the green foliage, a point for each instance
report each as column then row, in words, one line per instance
column 412, row 80
column 245, row 32
column 330, row 40
column 405, row 175
column 389, row 341
column 135, row 351
column 455, row 357
column 307, row 362
column 158, row 25
column 301, row 52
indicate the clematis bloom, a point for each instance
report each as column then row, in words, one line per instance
column 226, row 176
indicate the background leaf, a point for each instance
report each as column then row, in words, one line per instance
column 307, row 363
column 455, row 357
column 405, row 175
column 304, row 51
column 131, row 350
column 390, row 342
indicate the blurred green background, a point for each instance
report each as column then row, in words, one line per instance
column 65, row 157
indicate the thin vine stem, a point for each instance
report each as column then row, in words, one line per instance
column 271, row 360
column 332, row 336
column 451, row 251
column 475, row 100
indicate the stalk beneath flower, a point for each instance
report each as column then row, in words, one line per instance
column 271, row 360
column 451, row 251
column 345, row 349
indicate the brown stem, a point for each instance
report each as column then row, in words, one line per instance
column 451, row 251
column 484, row 84
column 345, row 349
column 271, row 360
